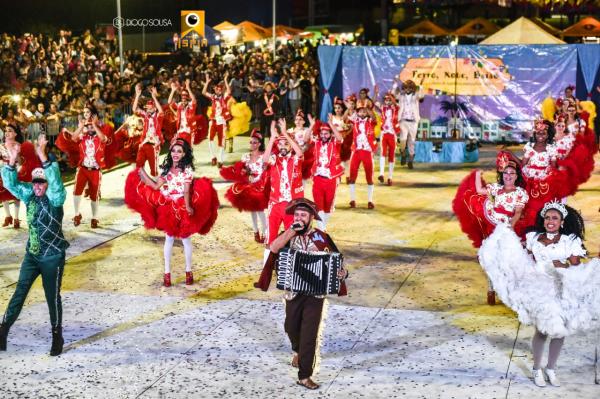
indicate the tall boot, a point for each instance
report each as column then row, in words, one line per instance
column 57, row 341
column 403, row 156
column 410, row 161
column 3, row 336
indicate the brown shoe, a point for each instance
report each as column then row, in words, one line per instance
column 257, row 237
column 380, row 178
column 308, row 383
column 7, row 221
column 16, row 223
column 352, row 204
column 347, row 180
column 389, row 182
column 371, row 205
column 213, row 161
column 94, row 223
column 77, row 220
column 295, row 361
column 219, row 165
column 491, row 298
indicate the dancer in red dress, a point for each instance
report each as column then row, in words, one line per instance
column 152, row 137
column 390, row 127
column 285, row 174
column 326, row 170
column 91, row 141
column 176, row 203
column 27, row 162
column 250, row 190
column 479, row 207
column 128, row 137
column 185, row 111
column 363, row 146
column 219, row 117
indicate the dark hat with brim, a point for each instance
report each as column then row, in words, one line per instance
column 305, row 205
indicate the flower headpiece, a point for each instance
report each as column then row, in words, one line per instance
column 558, row 206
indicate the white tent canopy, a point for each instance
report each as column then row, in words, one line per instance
column 522, row 31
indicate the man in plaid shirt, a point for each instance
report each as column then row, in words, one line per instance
column 45, row 251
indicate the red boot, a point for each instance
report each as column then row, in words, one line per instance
column 371, row 205
column 257, row 237
column 77, row 220
column 352, row 204
column 380, row 178
column 189, row 278
column 213, row 162
column 16, row 223
column 167, row 280
column 491, row 298
column 7, row 221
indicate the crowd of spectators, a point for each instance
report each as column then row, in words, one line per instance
column 45, row 81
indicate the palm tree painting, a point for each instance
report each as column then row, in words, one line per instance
column 454, row 108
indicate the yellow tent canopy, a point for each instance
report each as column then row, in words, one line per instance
column 225, row 25
column 424, row 28
column 477, row 27
column 522, row 31
column 586, row 27
column 252, row 32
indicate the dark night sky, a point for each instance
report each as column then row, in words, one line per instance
column 35, row 15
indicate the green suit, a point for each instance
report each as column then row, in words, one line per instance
column 45, row 251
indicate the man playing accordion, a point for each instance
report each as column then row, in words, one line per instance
column 303, row 312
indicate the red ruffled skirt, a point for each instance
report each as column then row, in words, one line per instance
column 69, row 147
column 28, row 162
column 243, row 195
column 308, row 161
column 469, row 208
column 171, row 216
column 346, row 150
column 127, row 147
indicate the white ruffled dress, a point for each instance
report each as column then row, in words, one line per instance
column 557, row 301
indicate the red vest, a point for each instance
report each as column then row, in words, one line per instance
column 294, row 175
column 98, row 149
column 369, row 125
column 188, row 112
column 158, row 119
column 222, row 100
column 333, row 158
column 394, row 122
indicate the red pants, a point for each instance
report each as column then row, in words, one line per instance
column 148, row 152
column 388, row 146
column 324, row 193
column 276, row 214
column 218, row 130
column 366, row 158
column 88, row 177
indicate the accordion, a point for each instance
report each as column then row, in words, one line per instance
column 309, row 273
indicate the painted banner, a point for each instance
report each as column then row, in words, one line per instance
column 489, row 92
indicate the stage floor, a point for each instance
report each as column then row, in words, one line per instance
column 414, row 325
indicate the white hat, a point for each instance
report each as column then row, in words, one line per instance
column 38, row 176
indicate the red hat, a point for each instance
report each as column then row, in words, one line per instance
column 337, row 100
column 560, row 118
column 185, row 93
column 351, row 98
column 300, row 113
column 256, row 134
column 540, row 124
column 390, row 96
column 325, row 126
column 178, row 141
column 505, row 159
column 219, row 85
column 150, row 102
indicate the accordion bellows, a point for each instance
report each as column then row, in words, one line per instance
column 309, row 273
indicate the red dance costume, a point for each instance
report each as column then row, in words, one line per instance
column 185, row 121
column 285, row 174
column 308, row 147
column 479, row 214
column 219, row 117
column 250, row 190
column 91, row 161
column 346, row 131
column 326, row 171
column 150, row 141
column 27, row 162
column 363, row 146
column 390, row 127
column 165, row 209
column 128, row 143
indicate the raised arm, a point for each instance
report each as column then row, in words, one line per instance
column 147, row 180
column 205, row 88
column 172, row 93
column 136, row 99
column 55, row 192
column 309, row 132
column 295, row 146
column 267, row 153
column 76, row 135
column 227, row 88
column 189, row 90
column 479, row 183
column 99, row 132
column 155, row 98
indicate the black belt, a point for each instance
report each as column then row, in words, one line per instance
column 85, row 167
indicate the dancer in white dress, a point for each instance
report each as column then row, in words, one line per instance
column 546, row 283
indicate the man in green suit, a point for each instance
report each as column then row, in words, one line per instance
column 45, row 250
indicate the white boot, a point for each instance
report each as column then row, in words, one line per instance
column 554, row 381
column 538, row 378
